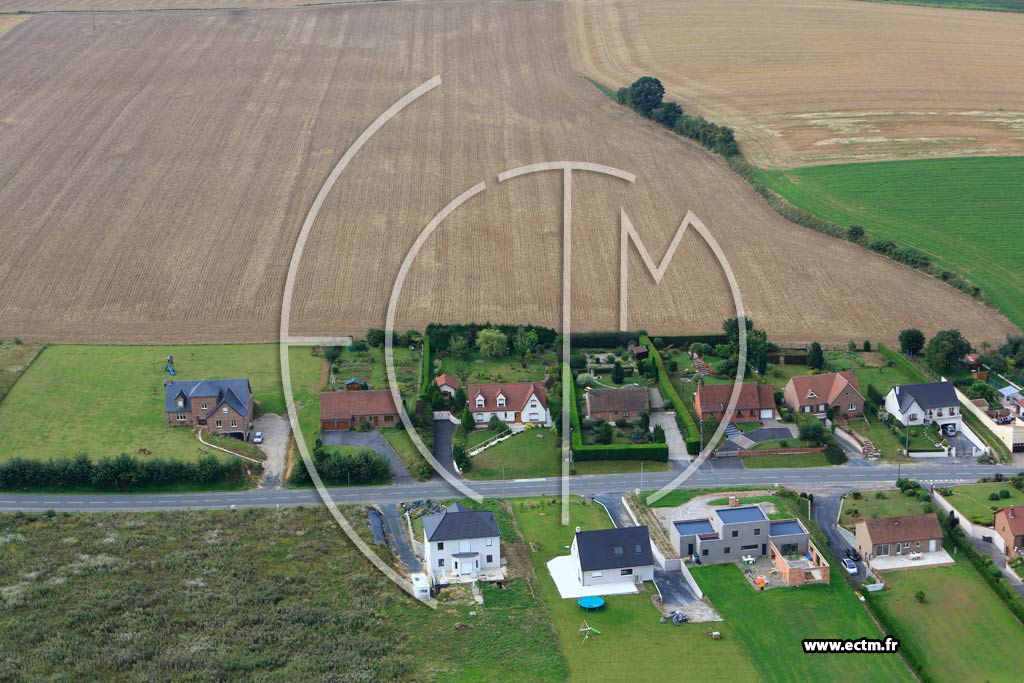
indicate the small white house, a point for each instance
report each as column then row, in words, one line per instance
column 446, row 384
column 924, row 404
column 613, row 555
column 462, row 545
column 514, row 403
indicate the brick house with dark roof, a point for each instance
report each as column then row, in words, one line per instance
column 756, row 402
column 615, row 404
column 898, row 536
column 512, row 403
column 1009, row 524
column 345, row 410
column 816, row 394
column 224, row 406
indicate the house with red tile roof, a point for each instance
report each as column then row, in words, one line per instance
column 447, row 384
column 815, row 394
column 345, row 410
column 1009, row 524
column 756, row 402
column 514, row 403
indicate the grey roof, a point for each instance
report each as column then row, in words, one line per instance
column 786, row 527
column 460, row 523
column 738, row 515
column 931, row 395
column 233, row 392
column 1009, row 391
column 694, row 527
column 628, row 546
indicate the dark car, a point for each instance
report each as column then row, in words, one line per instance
column 853, row 554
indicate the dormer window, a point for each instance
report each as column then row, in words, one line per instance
column 479, row 401
column 181, row 402
column 501, row 400
column 811, row 394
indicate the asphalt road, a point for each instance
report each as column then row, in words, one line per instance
column 846, row 475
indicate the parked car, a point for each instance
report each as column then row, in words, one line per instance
column 853, row 554
column 850, row 566
column 258, row 438
column 949, row 429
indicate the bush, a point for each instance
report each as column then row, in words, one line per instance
column 362, row 467
column 856, row 495
column 924, row 496
column 880, row 495
column 993, row 496
column 1004, row 494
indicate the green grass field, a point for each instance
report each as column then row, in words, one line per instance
column 962, row 631
column 973, row 503
column 680, row 496
column 106, row 400
column 254, row 595
column 895, row 504
column 964, row 213
column 633, row 645
column 485, row 370
column 783, row 460
column 14, row 360
column 771, row 624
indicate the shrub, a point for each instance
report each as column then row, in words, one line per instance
column 880, row 495
column 924, row 496
column 920, row 596
column 1004, row 494
column 993, row 496
column 856, row 495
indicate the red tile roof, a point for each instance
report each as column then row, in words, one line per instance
column 516, row 395
column 1014, row 517
column 825, row 388
column 902, row 529
column 344, row 405
column 445, row 378
column 714, row 398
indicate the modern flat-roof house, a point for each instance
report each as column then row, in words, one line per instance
column 755, row 402
column 345, row 410
column 816, row 394
column 514, row 403
column 447, row 384
column 462, row 545
column 627, row 403
column 894, row 536
column 224, row 406
column 613, row 555
column 1009, row 524
column 744, row 533
column 923, row 404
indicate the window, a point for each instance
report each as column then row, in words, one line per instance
column 748, row 547
column 234, row 423
column 596, row 575
column 218, row 423
column 807, row 409
column 225, row 411
column 907, row 544
column 912, row 417
column 440, row 563
column 638, row 548
column 501, row 401
column 853, row 406
column 479, row 417
column 490, row 542
column 440, row 546
column 735, row 533
column 204, row 405
column 625, row 413
column 917, row 544
column 490, row 558
column 757, row 532
column 727, row 550
column 882, row 550
column 626, row 572
column 181, row 403
column 704, row 552
column 182, row 417
column 618, row 550
column 479, row 401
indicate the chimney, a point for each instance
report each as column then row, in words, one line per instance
column 734, row 501
column 1010, row 513
column 578, row 529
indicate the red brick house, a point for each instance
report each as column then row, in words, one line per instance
column 756, row 402
column 615, row 404
column 815, row 394
column 1009, row 524
column 345, row 410
column 224, row 406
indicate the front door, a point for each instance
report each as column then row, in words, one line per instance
column 931, row 546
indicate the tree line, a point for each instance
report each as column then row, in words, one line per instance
column 335, row 468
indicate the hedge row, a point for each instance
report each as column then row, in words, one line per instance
column 900, row 361
column 426, row 367
column 981, row 563
column 914, row 659
column 440, row 335
column 589, row 453
column 121, row 473
column 335, row 468
column 689, row 428
column 602, row 339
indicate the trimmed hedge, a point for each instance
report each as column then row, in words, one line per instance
column 902, row 363
column 691, row 435
column 440, row 335
column 121, row 473
column 602, row 339
column 581, row 453
column 427, row 367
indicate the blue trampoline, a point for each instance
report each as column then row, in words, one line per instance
column 591, row 602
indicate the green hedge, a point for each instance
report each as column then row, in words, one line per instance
column 580, row 453
column 900, row 361
column 427, row 367
column 691, row 435
column 121, row 473
column 981, row 563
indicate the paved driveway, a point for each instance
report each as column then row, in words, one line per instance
column 673, row 437
column 825, row 510
column 443, row 432
column 276, row 433
column 376, row 443
column 398, row 537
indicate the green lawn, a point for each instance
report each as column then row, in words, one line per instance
column 485, row 370
column 633, row 645
column 962, row 631
column 894, row 504
column 406, row 450
column 771, row 624
column 766, row 462
column 680, row 496
column 14, row 360
column 882, row 378
column 879, row 434
column 964, row 213
column 973, row 503
column 779, row 375
column 781, row 509
column 774, row 444
column 106, row 400
column 369, row 365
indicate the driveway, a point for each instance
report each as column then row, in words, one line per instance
column 825, row 511
column 398, row 537
column 443, row 432
column 999, row 559
column 376, row 443
column 673, row 437
column 276, row 434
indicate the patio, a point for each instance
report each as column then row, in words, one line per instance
column 563, row 571
column 937, row 558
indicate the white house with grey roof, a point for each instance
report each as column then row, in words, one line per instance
column 924, row 404
column 613, row 555
column 462, row 545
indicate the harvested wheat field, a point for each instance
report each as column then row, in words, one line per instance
column 100, row 6
column 818, row 81
column 154, row 176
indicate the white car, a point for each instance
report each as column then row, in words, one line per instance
column 258, row 438
column 850, row 566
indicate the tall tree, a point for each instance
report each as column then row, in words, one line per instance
column 645, row 95
column 458, row 346
column 945, row 350
column 815, row 356
column 492, row 342
column 911, row 341
column 618, row 374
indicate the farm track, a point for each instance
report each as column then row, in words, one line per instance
column 155, row 173
column 808, row 82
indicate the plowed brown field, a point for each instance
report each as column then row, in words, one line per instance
column 819, row 81
column 154, row 175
